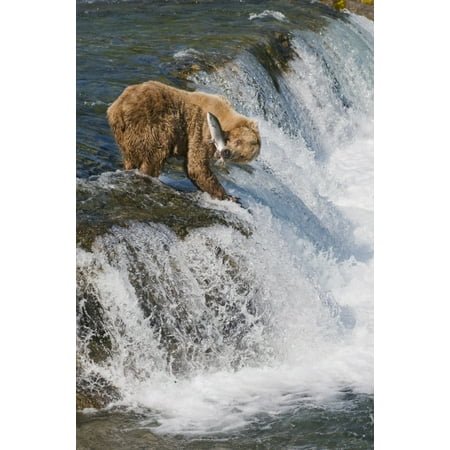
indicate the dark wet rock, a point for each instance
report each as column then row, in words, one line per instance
column 89, row 400
column 275, row 54
column 91, row 328
column 123, row 198
column 191, row 63
column 105, row 206
column 93, row 391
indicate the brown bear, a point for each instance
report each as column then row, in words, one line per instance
column 152, row 122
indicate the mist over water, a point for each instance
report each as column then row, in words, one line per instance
column 221, row 331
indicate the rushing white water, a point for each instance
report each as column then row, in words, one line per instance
column 268, row 13
column 283, row 317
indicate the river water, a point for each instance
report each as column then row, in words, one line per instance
column 255, row 330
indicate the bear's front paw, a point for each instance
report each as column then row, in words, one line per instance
column 233, row 199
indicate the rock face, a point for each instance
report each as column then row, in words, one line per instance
column 361, row 7
column 105, row 204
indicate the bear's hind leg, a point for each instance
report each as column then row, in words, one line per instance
column 153, row 169
column 153, row 162
column 128, row 165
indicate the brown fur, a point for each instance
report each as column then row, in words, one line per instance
column 152, row 121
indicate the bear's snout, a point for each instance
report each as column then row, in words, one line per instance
column 226, row 153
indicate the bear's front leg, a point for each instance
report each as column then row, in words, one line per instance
column 199, row 172
column 201, row 175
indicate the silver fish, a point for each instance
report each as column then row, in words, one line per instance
column 218, row 138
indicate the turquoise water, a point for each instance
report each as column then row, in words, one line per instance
column 253, row 328
column 346, row 424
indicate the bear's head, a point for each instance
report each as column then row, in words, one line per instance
column 244, row 143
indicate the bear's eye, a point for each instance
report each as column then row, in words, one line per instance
column 238, row 142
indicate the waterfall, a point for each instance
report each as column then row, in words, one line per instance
column 224, row 322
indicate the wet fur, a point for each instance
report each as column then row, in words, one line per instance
column 152, row 122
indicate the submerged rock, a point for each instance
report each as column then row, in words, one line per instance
column 116, row 430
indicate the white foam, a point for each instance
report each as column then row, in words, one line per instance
column 321, row 309
column 269, row 13
column 308, row 352
column 186, row 53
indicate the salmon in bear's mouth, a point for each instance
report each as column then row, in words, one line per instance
column 218, row 138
